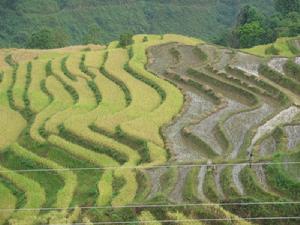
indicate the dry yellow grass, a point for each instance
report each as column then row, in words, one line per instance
column 22, row 55
column 73, row 63
column 182, row 219
column 139, row 38
column 7, row 201
column 62, row 100
column 113, row 99
column 4, row 85
column 147, row 216
column 94, row 59
column 147, row 127
column 34, row 193
column 144, row 98
column 128, row 191
column 64, row 195
column 86, row 101
column 113, row 45
column 99, row 160
column 182, row 39
column 38, row 99
column 19, row 87
column 11, row 126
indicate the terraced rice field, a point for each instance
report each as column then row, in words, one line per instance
column 169, row 130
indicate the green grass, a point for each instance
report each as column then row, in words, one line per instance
column 281, row 44
column 35, row 195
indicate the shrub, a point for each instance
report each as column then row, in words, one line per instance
column 200, row 54
column 65, row 70
column 125, row 40
column 272, row 50
column 120, row 83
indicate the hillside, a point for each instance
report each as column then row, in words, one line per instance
column 207, row 19
column 170, row 130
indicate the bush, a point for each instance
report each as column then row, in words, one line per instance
column 149, row 82
column 1, row 76
column 200, row 54
column 84, row 69
column 125, row 40
column 65, row 69
column 272, row 50
column 120, row 83
column 176, row 54
column 46, row 39
column 145, row 39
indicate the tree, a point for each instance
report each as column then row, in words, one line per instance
column 252, row 28
column 125, row 39
column 46, row 39
column 60, row 38
column 247, row 14
column 41, row 40
column 93, row 35
column 287, row 6
column 251, row 34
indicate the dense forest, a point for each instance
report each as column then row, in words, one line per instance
column 57, row 23
column 254, row 28
column 27, row 23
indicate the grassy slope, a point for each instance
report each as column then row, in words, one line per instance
column 189, row 17
column 281, row 44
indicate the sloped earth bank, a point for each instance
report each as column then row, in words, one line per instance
column 285, row 116
column 181, row 149
column 267, row 147
column 155, row 175
column 161, row 61
column 176, row 59
column 205, row 129
column 293, row 134
column 177, row 193
column 201, row 177
column 219, row 188
column 247, row 63
column 239, row 124
column 236, row 170
column 277, row 64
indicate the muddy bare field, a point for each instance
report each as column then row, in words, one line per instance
column 242, row 125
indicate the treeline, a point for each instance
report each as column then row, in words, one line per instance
column 255, row 28
column 51, row 38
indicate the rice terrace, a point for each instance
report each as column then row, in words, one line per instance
column 167, row 130
column 195, row 123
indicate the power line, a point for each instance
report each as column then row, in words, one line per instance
column 146, row 167
column 158, row 206
column 189, row 220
